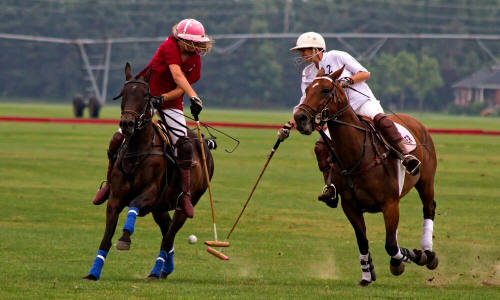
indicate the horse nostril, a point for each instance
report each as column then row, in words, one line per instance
column 130, row 124
column 303, row 118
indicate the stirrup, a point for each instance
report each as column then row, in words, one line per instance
column 177, row 206
column 103, row 182
column 325, row 189
column 188, row 210
column 415, row 169
column 333, row 201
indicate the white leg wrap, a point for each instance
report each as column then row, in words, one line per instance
column 366, row 275
column 428, row 228
column 400, row 256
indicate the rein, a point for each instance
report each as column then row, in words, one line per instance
column 140, row 117
column 324, row 116
column 141, row 122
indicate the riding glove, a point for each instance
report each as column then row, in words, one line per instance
column 346, row 81
column 284, row 132
column 157, row 101
column 196, row 105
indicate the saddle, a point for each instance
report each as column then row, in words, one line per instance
column 161, row 130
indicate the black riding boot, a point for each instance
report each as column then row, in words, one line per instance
column 114, row 145
column 393, row 137
column 184, row 160
column 329, row 193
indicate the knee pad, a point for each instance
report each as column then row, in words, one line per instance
column 322, row 155
column 184, row 147
column 114, row 144
column 382, row 121
column 387, row 129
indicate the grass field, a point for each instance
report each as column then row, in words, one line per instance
column 287, row 244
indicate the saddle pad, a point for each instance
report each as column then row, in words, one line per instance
column 408, row 139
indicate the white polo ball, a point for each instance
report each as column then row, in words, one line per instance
column 192, row 239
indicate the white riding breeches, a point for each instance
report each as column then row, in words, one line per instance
column 370, row 108
column 176, row 122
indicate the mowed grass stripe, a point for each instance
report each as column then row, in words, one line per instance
column 286, row 246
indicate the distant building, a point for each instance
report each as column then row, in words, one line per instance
column 482, row 86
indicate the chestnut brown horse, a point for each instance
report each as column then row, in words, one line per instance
column 368, row 176
column 146, row 179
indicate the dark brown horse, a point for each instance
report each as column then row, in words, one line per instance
column 367, row 175
column 146, row 179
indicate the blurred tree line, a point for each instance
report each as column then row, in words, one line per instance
column 406, row 73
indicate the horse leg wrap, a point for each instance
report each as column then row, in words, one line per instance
column 426, row 241
column 184, row 159
column 405, row 255
column 159, row 264
column 367, row 267
column 168, row 266
column 96, row 268
column 131, row 217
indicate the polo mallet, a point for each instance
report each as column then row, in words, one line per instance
column 214, row 243
column 218, row 253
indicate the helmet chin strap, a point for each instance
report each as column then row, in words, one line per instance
column 299, row 60
column 191, row 44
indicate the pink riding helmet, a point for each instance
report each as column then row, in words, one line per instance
column 191, row 30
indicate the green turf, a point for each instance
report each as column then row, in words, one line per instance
column 287, row 244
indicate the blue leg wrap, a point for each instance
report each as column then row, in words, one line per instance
column 130, row 223
column 159, row 264
column 98, row 264
column 168, row 267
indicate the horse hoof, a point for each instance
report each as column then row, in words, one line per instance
column 432, row 260
column 121, row 245
column 364, row 283
column 164, row 275
column 397, row 267
column 421, row 257
column 152, row 278
column 90, row 277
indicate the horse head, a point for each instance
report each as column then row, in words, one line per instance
column 325, row 99
column 137, row 108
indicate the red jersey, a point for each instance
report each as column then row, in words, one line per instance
column 161, row 80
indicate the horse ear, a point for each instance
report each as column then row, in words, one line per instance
column 335, row 75
column 128, row 72
column 321, row 73
column 148, row 74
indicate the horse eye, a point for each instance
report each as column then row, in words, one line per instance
column 325, row 91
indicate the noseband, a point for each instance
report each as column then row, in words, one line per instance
column 140, row 118
column 324, row 115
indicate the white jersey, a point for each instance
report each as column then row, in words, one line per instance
column 331, row 62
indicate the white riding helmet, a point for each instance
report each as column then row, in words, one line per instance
column 310, row 40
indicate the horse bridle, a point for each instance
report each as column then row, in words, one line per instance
column 140, row 118
column 324, row 115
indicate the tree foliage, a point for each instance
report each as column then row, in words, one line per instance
column 259, row 73
column 403, row 77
